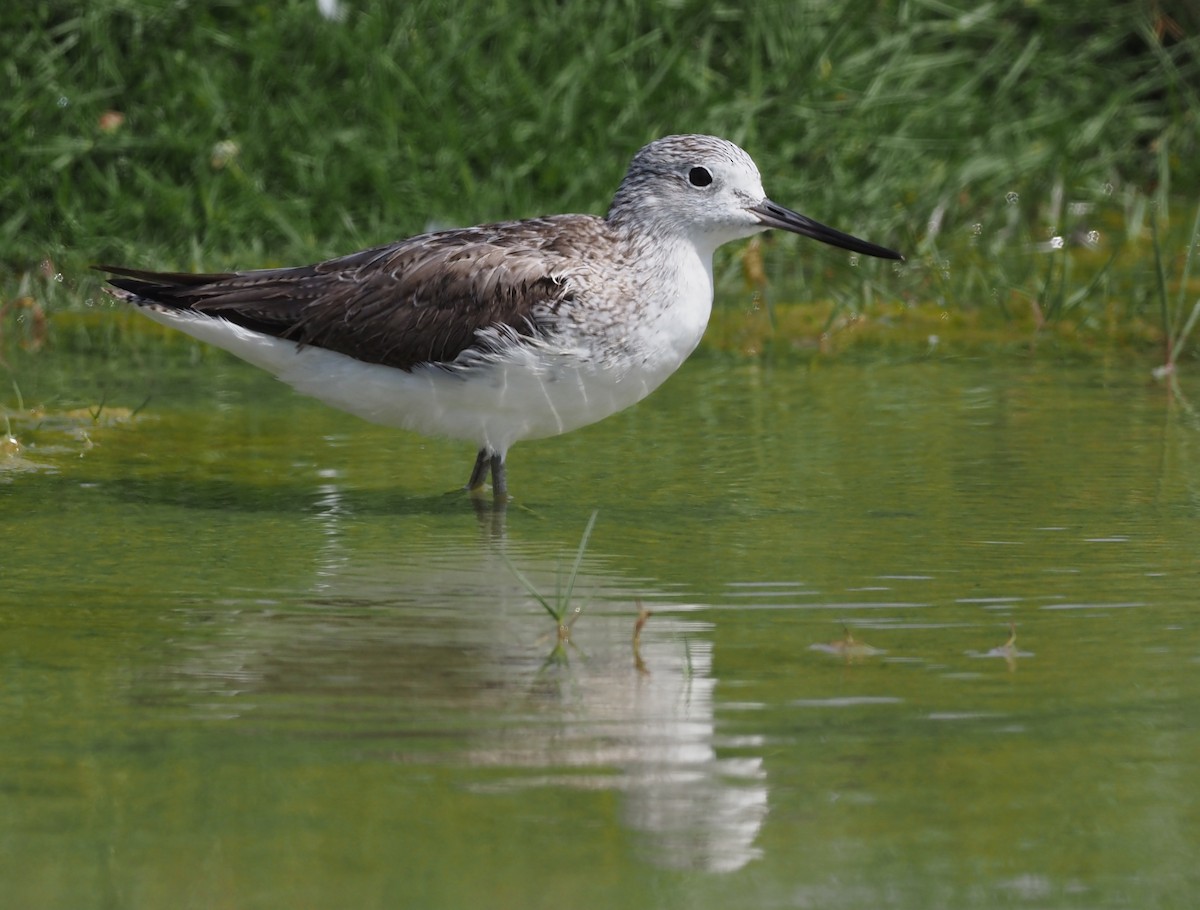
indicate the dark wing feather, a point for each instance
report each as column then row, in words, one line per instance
column 422, row 300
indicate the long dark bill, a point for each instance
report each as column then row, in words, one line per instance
column 776, row 216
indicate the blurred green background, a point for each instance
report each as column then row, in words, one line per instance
column 976, row 137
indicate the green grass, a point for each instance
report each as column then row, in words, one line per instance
column 969, row 135
column 560, row 608
column 1178, row 321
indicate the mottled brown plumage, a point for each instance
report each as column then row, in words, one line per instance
column 420, row 300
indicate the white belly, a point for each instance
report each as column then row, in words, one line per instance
column 594, row 367
column 534, row 392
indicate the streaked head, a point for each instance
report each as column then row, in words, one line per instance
column 709, row 190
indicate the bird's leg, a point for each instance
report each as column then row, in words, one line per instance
column 488, row 461
column 499, row 478
column 483, row 463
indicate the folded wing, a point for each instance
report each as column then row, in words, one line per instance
column 424, row 300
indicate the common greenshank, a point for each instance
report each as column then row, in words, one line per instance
column 503, row 332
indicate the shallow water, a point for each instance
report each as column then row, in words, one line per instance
column 255, row 654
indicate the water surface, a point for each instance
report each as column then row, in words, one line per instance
column 258, row 654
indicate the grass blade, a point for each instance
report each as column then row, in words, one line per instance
column 529, row 586
column 587, row 532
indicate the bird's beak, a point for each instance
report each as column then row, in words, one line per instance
column 776, row 216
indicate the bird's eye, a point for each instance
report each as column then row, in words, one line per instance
column 699, row 176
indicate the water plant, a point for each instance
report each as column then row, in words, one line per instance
column 1177, row 322
column 559, row 609
column 638, row 625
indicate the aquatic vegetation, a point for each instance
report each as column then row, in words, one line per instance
column 639, row 624
column 849, row 647
column 560, row 608
column 1176, row 326
column 38, row 438
column 1008, row 652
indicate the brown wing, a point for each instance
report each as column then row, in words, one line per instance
column 421, row 300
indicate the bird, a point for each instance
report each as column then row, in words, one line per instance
column 502, row 332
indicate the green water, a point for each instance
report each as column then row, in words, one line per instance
column 255, row 655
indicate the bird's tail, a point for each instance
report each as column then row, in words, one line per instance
column 176, row 290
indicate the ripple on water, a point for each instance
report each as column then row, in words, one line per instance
column 849, row 701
